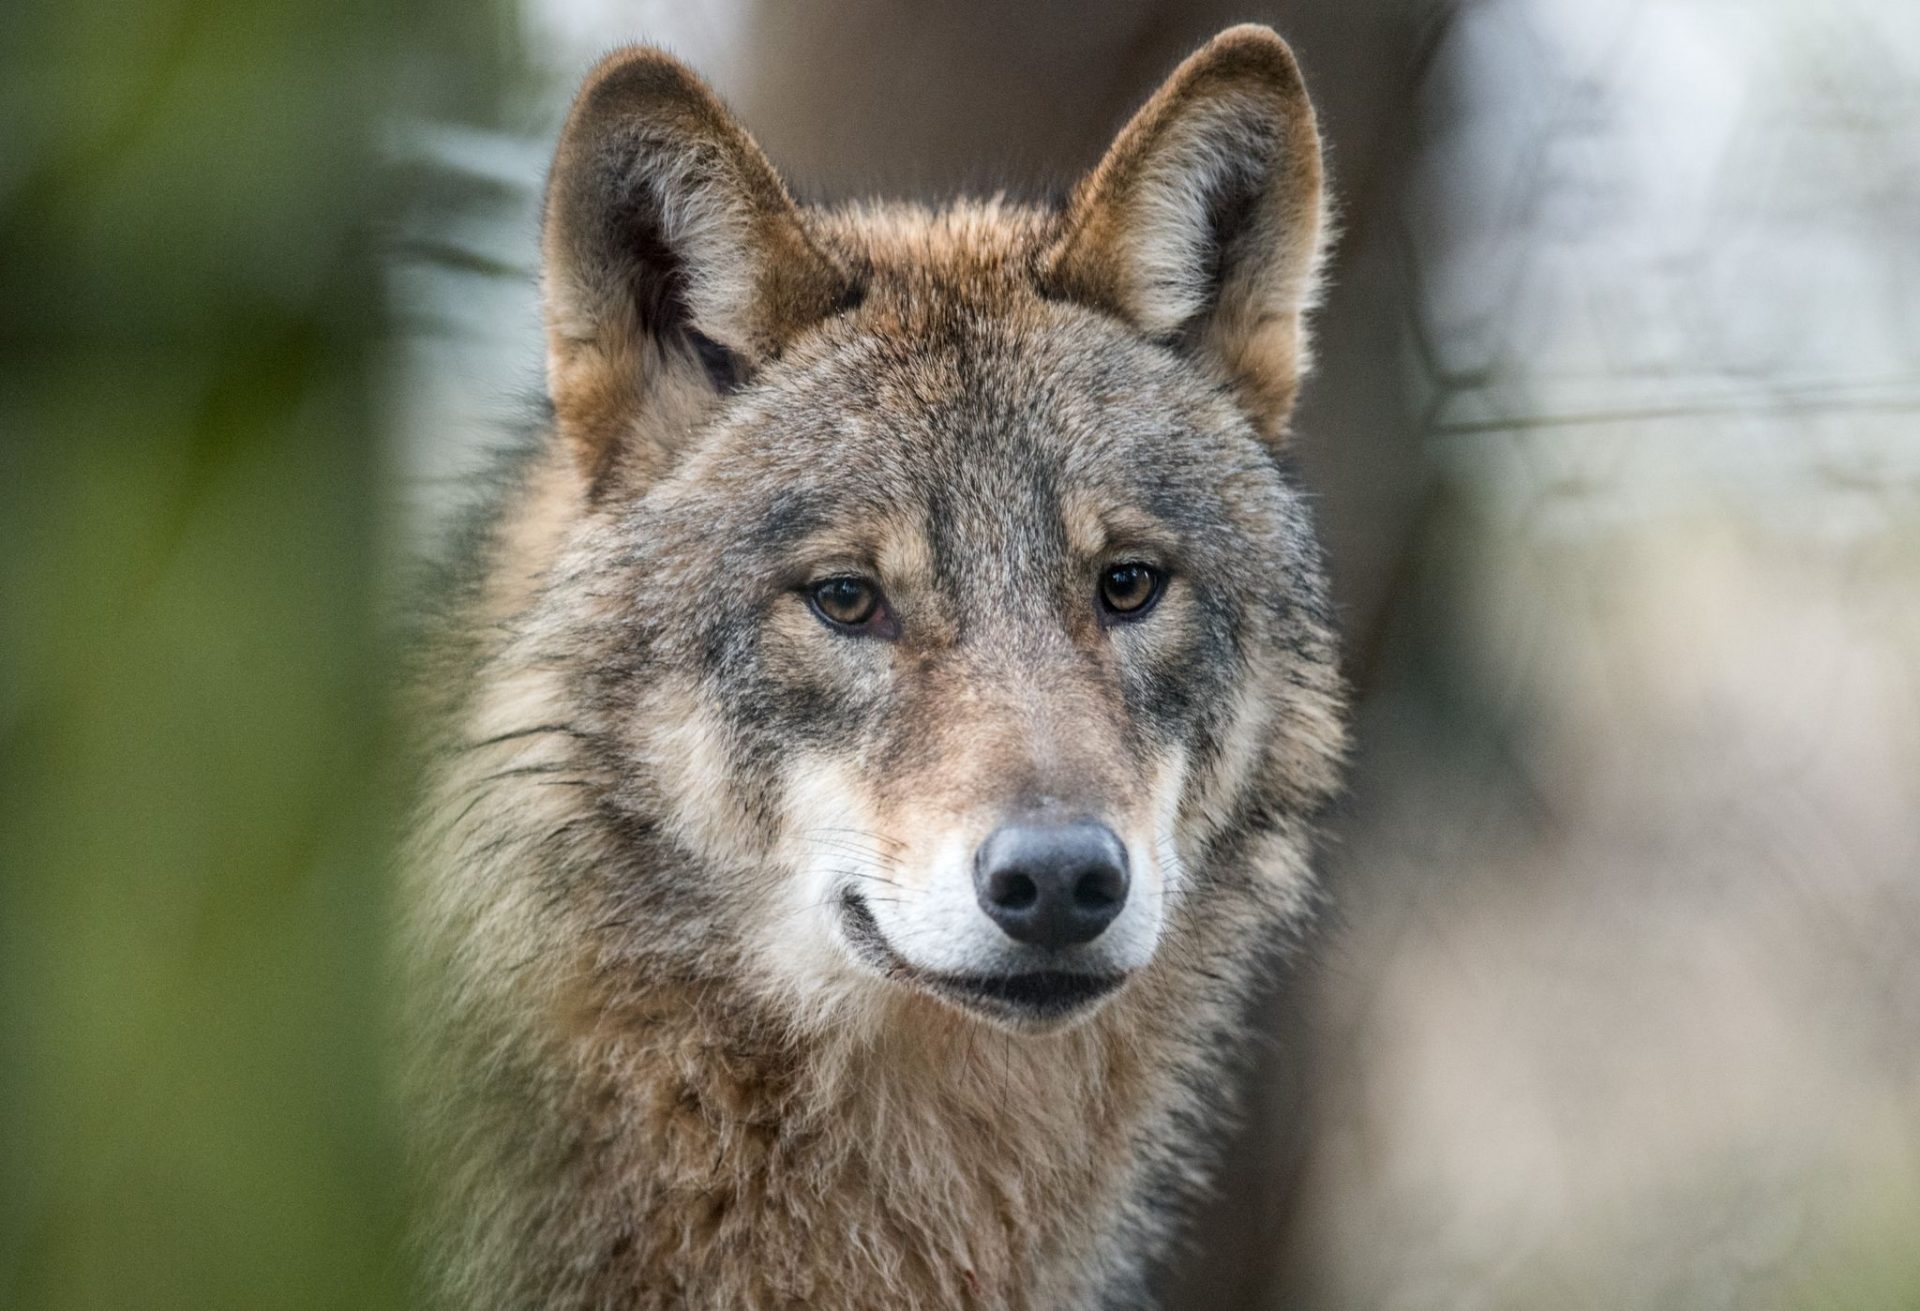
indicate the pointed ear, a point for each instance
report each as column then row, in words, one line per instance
column 674, row 263
column 1202, row 227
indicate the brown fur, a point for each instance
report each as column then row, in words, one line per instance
column 651, row 1074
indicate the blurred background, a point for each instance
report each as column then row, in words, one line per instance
column 1616, row 440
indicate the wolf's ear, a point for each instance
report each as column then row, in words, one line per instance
column 674, row 262
column 1202, row 226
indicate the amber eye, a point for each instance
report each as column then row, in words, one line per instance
column 1128, row 591
column 847, row 602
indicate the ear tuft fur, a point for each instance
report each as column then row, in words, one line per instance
column 1203, row 225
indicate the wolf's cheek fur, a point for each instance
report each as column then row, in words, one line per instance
column 688, row 754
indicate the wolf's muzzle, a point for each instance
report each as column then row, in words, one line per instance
column 1050, row 884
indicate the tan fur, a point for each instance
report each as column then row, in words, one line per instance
column 649, row 1076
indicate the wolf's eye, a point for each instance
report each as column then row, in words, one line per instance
column 1128, row 591
column 850, row 603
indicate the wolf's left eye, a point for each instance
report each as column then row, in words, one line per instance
column 1128, row 591
column 854, row 604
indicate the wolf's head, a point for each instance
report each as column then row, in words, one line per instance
column 933, row 583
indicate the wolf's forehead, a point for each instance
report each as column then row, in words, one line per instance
column 938, row 422
column 927, row 516
column 969, row 446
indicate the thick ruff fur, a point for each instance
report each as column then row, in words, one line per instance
column 691, row 863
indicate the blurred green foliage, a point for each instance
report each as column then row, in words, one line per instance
column 195, row 794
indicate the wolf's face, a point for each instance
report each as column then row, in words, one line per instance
column 949, row 604
column 971, row 625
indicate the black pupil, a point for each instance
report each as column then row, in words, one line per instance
column 1128, row 586
column 846, row 600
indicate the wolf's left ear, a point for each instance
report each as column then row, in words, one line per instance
column 1202, row 227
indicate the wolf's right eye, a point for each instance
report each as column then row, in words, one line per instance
column 1128, row 591
column 851, row 604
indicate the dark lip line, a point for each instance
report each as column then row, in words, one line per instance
column 1001, row 993
column 863, row 931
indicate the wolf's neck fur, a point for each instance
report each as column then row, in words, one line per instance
column 632, row 1127
column 932, row 1163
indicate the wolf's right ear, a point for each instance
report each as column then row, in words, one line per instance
column 675, row 263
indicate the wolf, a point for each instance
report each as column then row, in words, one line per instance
column 882, row 729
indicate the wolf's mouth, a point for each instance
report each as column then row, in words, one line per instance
column 1039, row 995
column 1034, row 995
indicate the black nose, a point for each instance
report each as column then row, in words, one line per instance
column 1052, row 885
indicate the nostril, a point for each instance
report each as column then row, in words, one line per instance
column 1099, row 889
column 1012, row 890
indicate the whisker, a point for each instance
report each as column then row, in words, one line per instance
column 522, row 771
column 567, row 730
column 867, row 835
column 847, row 848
